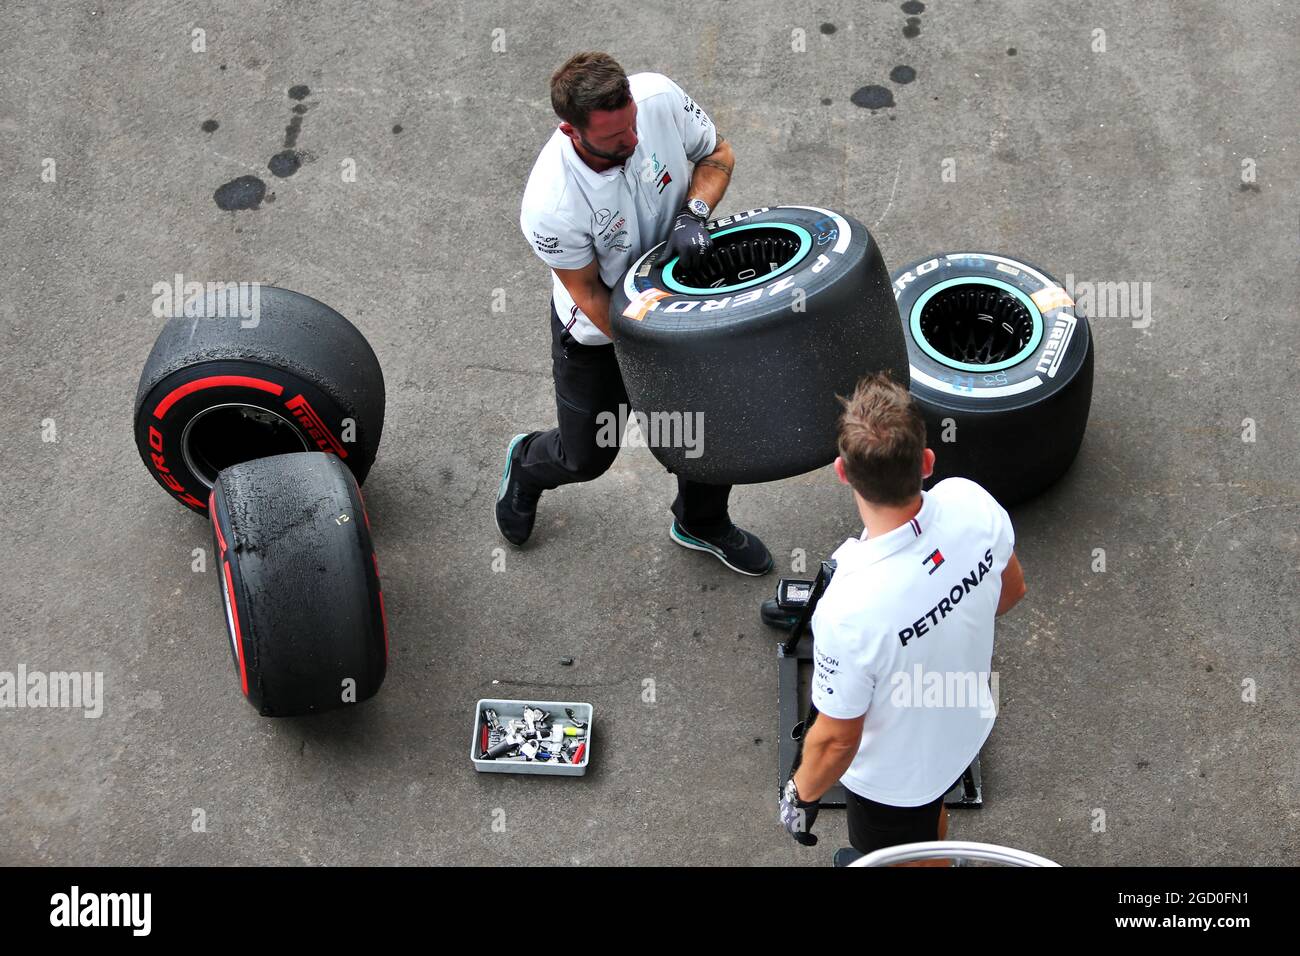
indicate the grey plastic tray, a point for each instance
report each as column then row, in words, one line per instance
column 507, row 709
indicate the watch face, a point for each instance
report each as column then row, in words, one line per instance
column 699, row 207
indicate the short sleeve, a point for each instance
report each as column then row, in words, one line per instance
column 841, row 687
column 1004, row 535
column 699, row 137
column 969, row 497
column 555, row 240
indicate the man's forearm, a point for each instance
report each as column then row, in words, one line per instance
column 594, row 302
column 1013, row 586
column 712, row 175
column 824, row 762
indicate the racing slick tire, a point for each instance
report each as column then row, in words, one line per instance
column 221, row 386
column 299, row 583
column 1001, row 366
column 745, row 355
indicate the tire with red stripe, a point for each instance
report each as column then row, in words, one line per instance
column 299, row 583
column 220, row 388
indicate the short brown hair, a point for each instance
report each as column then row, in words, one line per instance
column 882, row 441
column 587, row 82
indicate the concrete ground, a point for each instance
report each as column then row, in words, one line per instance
column 1169, row 157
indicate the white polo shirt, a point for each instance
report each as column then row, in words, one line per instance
column 572, row 214
column 904, row 634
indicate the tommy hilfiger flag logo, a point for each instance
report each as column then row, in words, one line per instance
column 933, row 560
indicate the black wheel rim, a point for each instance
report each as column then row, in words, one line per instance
column 974, row 325
column 739, row 258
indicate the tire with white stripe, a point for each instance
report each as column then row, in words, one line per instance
column 222, row 386
column 299, row 583
column 792, row 307
column 1001, row 365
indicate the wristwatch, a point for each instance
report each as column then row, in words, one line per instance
column 699, row 209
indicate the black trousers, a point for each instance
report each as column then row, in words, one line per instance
column 874, row 826
column 587, row 383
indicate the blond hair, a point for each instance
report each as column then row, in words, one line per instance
column 882, row 441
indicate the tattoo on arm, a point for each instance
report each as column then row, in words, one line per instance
column 716, row 163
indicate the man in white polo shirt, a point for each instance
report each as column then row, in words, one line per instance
column 903, row 636
column 634, row 162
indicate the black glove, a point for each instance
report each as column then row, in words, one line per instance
column 798, row 816
column 689, row 239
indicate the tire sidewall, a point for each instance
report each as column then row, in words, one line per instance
column 1059, row 354
column 315, row 416
column 231, row 584
column 643, row 303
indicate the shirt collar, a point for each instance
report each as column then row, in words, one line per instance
column 883, row 545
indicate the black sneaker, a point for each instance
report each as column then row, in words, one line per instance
column 846, row 855
column 737, row 549
column 516, row 505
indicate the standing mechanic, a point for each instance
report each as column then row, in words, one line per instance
column 911, row 605
column 613, row 181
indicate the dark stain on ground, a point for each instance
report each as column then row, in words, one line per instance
column 209, row 126
column 249, row 192
column 285, row 164
column 120, row 297
column 1248, row 188
column 828, row 28
column 246, row 192
column 222, row 67
column 397, row 128
column 826, row 101
column 288, row 161
column 1011, row 51
column 879, row 97
column 872, row 98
